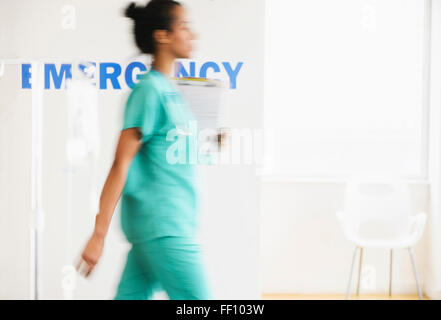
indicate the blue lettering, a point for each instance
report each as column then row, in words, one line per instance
column 129, row 72
column 205, row 66
column 26, row 76
column 180, row 70
column 232, row 73
column 112, row 76
column 50, row 71
column 112, row 71
column 85, row 69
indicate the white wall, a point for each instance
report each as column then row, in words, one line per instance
column 229, row 30
column 303, row 247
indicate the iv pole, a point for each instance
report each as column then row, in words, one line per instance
column 36, row 214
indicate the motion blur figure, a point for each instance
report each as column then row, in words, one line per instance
column 159, row 200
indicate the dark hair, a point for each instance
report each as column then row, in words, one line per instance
column 155, row 15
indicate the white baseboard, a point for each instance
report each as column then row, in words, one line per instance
column 433, row 294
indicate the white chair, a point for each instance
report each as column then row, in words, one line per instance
column 380, row 205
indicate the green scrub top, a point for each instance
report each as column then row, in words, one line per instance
column 160, row 196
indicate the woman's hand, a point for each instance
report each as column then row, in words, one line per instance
column 222, row 138
column 128, row 146
column 91, row 254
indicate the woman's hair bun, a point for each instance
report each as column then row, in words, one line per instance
column 133, row 11
column 156, row 14
column 130, row 10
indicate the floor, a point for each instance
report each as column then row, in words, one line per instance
column 287, row 296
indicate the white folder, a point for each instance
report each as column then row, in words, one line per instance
column 205, row 98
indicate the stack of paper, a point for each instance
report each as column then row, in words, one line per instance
column 204, row 97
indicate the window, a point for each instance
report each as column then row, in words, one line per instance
column 345, row 86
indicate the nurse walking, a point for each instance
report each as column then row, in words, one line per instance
column 159, row 197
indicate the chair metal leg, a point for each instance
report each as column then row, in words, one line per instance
column 390, row 272
column 415, row 273
column 348, row 291
column 360, row 264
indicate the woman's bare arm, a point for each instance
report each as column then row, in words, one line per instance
column 127, row 147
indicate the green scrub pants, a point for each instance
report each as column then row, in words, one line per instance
column 169, row 263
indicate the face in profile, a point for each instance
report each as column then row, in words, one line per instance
column 181, row 36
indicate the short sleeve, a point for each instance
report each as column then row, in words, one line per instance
column 142, row 110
